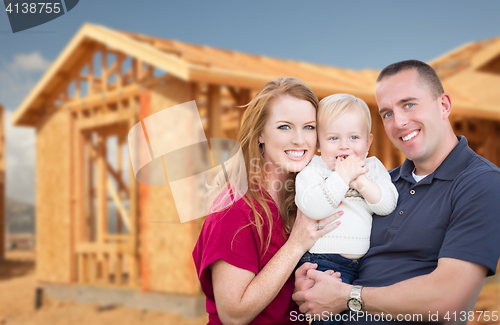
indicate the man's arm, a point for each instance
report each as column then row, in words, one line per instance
column 450, row 287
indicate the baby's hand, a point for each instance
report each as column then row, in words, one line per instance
column 334, row 274
column 358, row 183
column 350, row 168
column 308, row 283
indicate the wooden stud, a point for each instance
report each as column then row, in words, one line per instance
column 119, row 168
column 91, row 215
column 214, row 112
column 118, row 269
column 101, row 188
column 122, row 212
column 73, row 183
column 82, row 267
column 92, row 268
column 104, row 70
column 105, row 268
column 119, row 70
column 133, row 197
column 90, row 76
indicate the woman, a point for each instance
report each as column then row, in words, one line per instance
column 246, row 253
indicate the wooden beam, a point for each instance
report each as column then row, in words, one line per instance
column 94, row 248
column 110, row 97
column 102, row 120
column 124, row 238
column 214, row 112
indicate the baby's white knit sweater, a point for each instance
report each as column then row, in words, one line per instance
column 319, row 191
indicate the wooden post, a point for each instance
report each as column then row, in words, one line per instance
column 89, row 233
column 214, row 112
column 119, row 70
column 90, row 76
column 78, row 91
column 133, row 196
column 82, row 268
column 118, row 269
column 119, row 168
column 105, row 268
column 101, row 189
column 73, row 161
column 104, row 70
column 92, row 268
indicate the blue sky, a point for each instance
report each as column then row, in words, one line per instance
column 350, row 34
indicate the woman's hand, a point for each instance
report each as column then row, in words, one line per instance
column 306, row 231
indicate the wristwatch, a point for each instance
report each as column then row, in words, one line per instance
column 355, row 303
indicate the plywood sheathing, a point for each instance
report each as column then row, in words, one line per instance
column 53, row 198
column 166, row 243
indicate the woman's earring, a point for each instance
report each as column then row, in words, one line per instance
column 366, row 155
column 261, row 146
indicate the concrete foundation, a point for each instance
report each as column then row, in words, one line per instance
column 185, row 305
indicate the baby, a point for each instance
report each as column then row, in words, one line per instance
column 344, row 175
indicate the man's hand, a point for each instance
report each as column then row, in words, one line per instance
column 327, row 294
column 302, row 281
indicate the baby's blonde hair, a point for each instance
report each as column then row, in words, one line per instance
column 334, row 106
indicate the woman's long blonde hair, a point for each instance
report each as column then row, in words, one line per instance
column 252, row 124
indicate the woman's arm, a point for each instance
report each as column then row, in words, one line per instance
column 240, row 295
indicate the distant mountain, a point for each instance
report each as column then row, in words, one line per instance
column 20, row 216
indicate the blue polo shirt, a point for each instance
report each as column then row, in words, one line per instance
column 453, row 212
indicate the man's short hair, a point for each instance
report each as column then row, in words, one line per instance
column 427, row 74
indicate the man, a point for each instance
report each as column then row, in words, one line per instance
column 431, row 255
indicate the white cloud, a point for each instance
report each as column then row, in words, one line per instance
column 19, row 76
column 32, row 62
column 19, row 161
column 17, row 79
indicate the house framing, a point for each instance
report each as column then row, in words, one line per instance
column 96, row 226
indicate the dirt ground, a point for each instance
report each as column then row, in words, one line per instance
column 17, row 292
column 17, row 288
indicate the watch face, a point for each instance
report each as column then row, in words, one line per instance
column 354, row 304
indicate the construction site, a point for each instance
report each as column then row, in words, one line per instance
column 108, row 247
